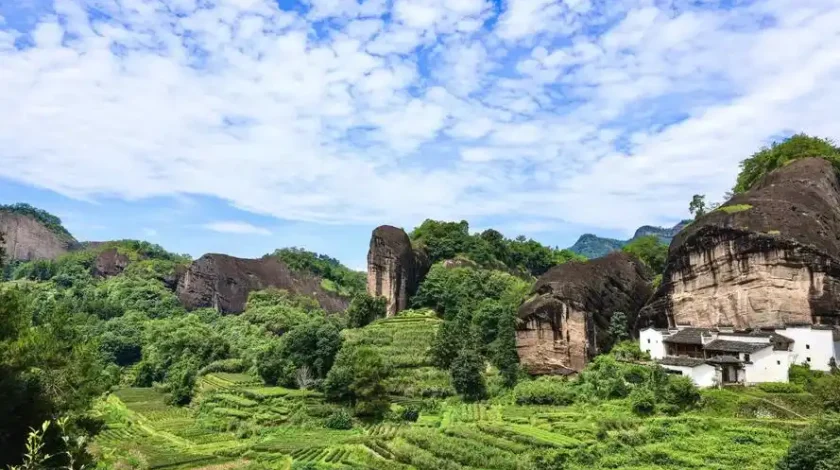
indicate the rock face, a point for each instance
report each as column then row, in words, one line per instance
column 395, row 269
column 565, row 322
column 224, row 282
column 768, row 257
column 110, row 263
column 27, row 239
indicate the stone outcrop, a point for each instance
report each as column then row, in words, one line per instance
column 395, row 269
column 110, row 263
column 25, row 238
column 565, row 321
column 768, row 257
column 223, row 282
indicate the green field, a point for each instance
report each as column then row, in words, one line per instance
column 235, row 422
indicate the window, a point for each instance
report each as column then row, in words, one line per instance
column 778, row 363
column 807, row 346
column 808, row 359
column 648, row 340
column 746, row 358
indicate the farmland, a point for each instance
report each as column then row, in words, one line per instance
column 236, row 422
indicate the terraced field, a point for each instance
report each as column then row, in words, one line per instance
column 236, row 422
column 241, row 425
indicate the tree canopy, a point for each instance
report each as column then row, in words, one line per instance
column 779, row 154
column 649, row 250
column 447, row 240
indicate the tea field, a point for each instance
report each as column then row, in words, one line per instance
column 236, row 422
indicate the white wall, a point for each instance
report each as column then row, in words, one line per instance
column 702, row 375
column 650, row 341
column 767, row 366
column 809, row 343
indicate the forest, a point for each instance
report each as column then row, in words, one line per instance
column 113, row 372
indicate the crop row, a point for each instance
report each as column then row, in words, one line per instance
column 311, row 454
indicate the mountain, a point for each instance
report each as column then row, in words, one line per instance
column 593, row 246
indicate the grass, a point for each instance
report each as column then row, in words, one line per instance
column 731, row 209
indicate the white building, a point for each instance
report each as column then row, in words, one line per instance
column 712, row 356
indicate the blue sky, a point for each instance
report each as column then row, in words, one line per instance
column 240, row 126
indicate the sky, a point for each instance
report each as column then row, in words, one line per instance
column 241, row 126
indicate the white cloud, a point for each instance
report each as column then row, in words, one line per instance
column 149, row 232
column 240, row 228
column 561, row 112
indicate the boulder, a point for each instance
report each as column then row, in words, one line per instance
column 395, row 269
column 110, row 263
column 26, row 239
column 223, row 282
column 767, row 258
column 565, row 321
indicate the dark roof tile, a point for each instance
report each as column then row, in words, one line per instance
column 681, row 361
column 735, row 346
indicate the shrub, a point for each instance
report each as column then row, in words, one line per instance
column 339, row 419
column 410, row 413
column 233, row 365
column 643, row 401
column 818, row 448
column 544, row 391
column 827, row 391
column 681, row 392
column 181, row 382
column 780, row 387
column 803, row 375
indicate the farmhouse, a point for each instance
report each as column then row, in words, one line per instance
column 713, row 356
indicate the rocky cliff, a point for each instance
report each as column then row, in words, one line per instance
column 564, row 323
column 768, row 257
column 223, row 282
column 110, row 263
column 395, row 269
column 26, row 238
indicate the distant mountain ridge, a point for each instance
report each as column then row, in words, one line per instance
column 593, row 246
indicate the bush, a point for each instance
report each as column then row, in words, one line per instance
column 643, row 401
column 234, row 365
column 681, row 392
column 544, row 391
column 410, row 413
column 803, row 375
column 780, row 387
column 827, row 391
column 818, row 448
column 181, row 383
column 339, row 419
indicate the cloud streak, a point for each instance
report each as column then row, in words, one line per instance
column 604, row 114
column 238, row 228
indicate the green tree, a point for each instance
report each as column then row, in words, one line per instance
column 618, row 330
column 181, row 381
column 357, row 379
column 503, row 351
column 649, row 250
column 697, row 206
column 274, row 367
column 779, row 154
column 466, row 375
column 818, row 448
column 364, row 309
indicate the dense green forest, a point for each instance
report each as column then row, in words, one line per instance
column 112, row 372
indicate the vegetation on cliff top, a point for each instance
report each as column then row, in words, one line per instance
column 447, row 240
column 336, row 277
column 50, row 221
column 779, row 154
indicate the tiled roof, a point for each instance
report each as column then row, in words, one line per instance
column 735, row 346
column 774, row 337
column 688, row 336
column 724, row 360
column 681, row 361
